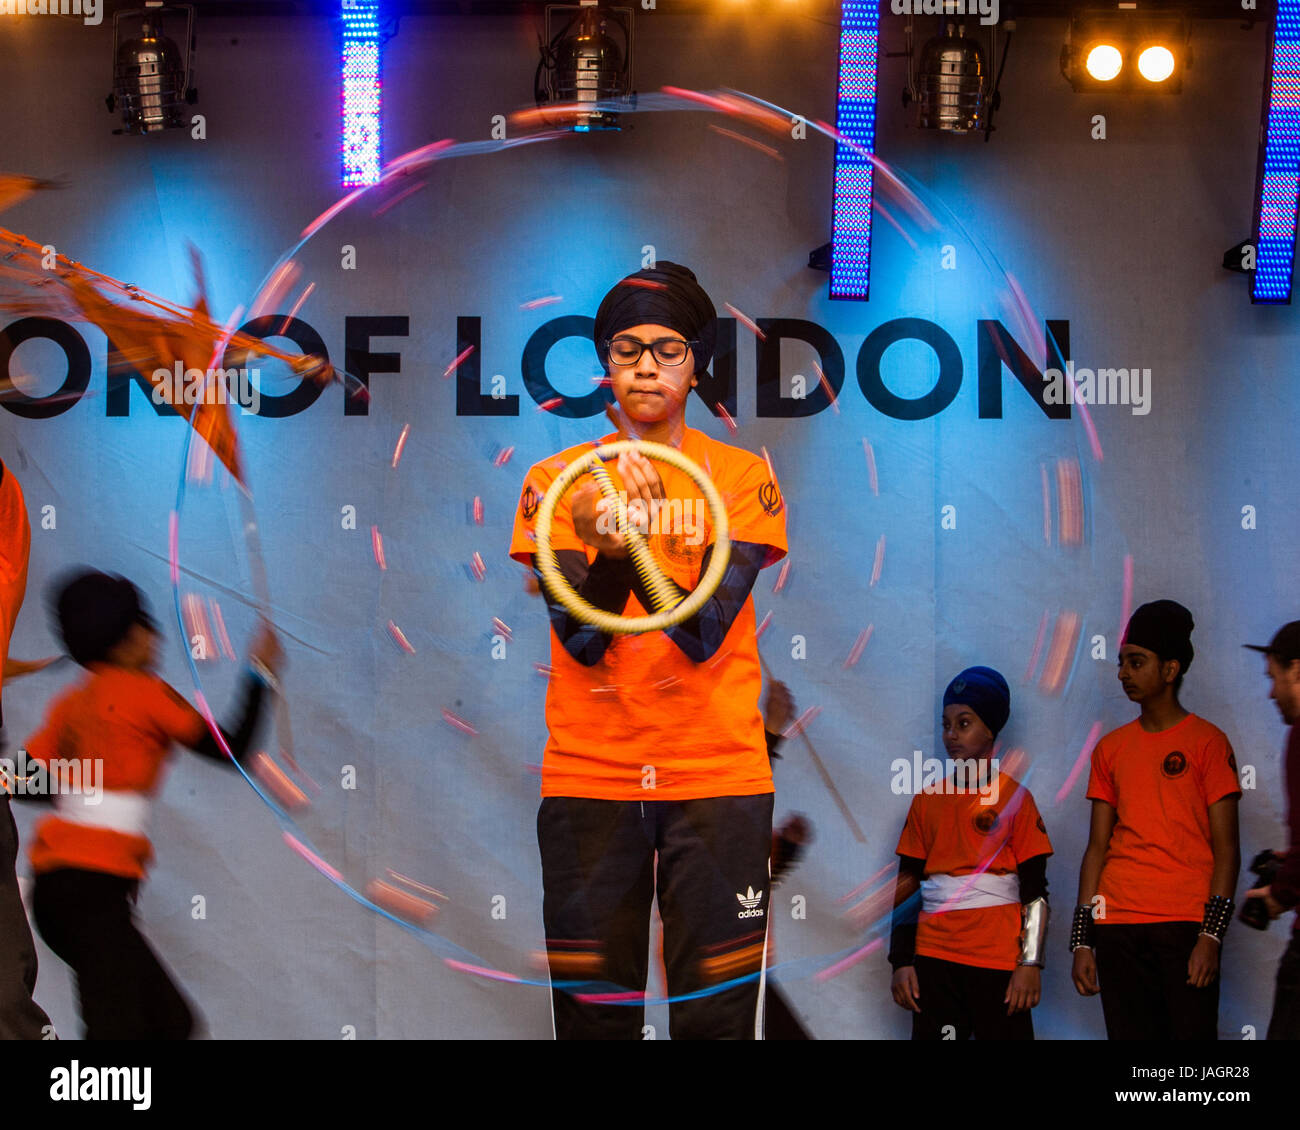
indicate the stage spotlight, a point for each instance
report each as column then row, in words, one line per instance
column 1156, row 63
column 1104, row 62
column 1127, row 50
column 582, row 62
column 151, row 74
column 952, row 78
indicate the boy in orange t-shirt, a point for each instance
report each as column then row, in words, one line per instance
column 655, row 776
column 1158, row 875
column 103, row 748
column 976, row 849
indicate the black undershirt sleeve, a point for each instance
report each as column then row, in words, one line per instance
column 605, row 583
column 1033, row 878
column 773, row 740
column 902, row 933
column 700, row 637
column 251, row 698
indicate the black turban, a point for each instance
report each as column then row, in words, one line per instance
column 95, row 611
column 1165, row 627
column 664, row 295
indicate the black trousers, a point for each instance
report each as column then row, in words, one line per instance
column 1285, row 1024
column 1142, row 968
column 20, row 1017
column 125, row 990
column 961, row 1001
column 599, row 877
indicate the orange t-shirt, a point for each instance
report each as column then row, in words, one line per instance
column 957, row 834
column 1160, row 861
column 125, row 722
column 645, row 706
column 15, row 542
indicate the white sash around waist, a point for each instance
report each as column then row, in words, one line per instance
column 116, row 810
column 966, row 892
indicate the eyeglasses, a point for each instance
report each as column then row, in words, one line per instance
column 667, row 350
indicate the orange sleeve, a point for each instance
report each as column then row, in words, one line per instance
column 536, row 484
column 1101, row 785
column 1028, row 832
column 1218, row 770
column 756, row 510
column 15, row 536
column 15, row 545
column 175, row 718
column 914, row 842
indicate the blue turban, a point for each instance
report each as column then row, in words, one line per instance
column 985, row 692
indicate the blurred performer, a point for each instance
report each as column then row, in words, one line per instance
column 788, row 844
column 1283, row 893
column 20, row 1018
column 656, row 741
column 976, row 848
column 1163, row 852
column 104, row 744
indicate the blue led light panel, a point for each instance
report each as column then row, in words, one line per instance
column 855, row 119
column 362, row 95
column 1279, row 181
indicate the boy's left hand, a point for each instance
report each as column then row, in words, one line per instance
column 1203, row 965
column 1025, row 989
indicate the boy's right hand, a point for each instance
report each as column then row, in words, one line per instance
column 1084, row 973
column 266, row 648
column 587, row 521
column 906, row 988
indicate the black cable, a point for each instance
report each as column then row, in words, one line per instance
column 997, row 83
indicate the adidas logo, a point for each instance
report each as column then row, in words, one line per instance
column 750, row 902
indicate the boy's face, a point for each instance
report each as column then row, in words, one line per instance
column 1284, row 688
column 137, row 650
column 964, row 733
column 650, row 392
column 1141, row 673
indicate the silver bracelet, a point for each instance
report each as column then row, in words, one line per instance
column 264, row 673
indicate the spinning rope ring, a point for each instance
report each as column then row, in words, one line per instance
column 667, row 612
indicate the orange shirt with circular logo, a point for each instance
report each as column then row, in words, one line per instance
column 1160, row 860
column 958, row 834
column 645, row 722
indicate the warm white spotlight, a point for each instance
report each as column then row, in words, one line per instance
column 1104, row 62
column 1156, row 64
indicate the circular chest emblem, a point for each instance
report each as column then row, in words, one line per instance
column 985, row 821
column 678, row 548
column 1174, row 764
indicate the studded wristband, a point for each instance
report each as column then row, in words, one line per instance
column 1081, row 930
column 1218, row 913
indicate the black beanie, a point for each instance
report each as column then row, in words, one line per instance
column 1165, row 627
column 666, row 294
column 94, row 612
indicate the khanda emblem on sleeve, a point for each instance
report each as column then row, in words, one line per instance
column 530, row 501
column 770, row 498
